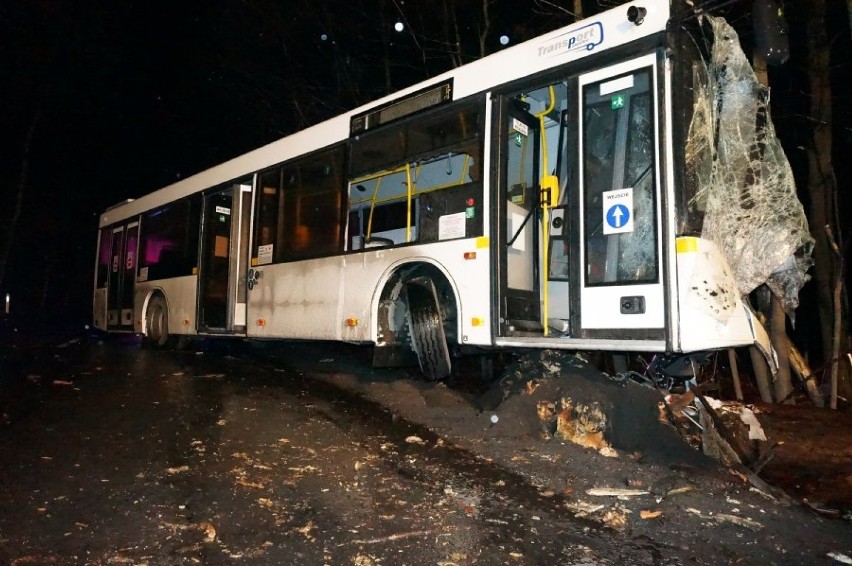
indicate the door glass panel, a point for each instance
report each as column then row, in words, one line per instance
column 618, row 181
column 215, row 273
column 521, row 200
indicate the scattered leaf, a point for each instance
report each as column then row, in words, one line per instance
column 177, row 470
column 209, row 531
column 647, row 514
column 615, row 519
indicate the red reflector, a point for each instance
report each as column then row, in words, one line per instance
column 470, row 255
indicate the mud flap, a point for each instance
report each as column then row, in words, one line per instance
column 426, row 328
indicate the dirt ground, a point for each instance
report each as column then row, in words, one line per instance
column 599, row 450
column 632, row 470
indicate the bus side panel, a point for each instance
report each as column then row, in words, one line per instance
column 313, row 299
column 180, row 293
column 297, row 299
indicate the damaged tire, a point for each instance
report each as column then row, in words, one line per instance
column 426, row 328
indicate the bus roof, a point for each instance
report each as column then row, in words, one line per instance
column 586, row 37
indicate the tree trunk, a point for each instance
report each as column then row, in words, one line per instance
column 735, row 374
column 822, row 189
column 452, row 37
column 778, row 334
column 486, row 27
column 800, row 366
column 761, row 374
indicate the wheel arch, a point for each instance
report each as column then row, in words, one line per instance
column 389, row 287
column 154, row 292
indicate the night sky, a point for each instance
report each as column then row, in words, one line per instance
column 119, row 98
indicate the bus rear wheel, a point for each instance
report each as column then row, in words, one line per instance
column 426, row 328
column 157, row 323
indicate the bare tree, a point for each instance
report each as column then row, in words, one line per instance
column 823, row 215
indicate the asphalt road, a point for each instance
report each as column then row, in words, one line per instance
column 112, row 454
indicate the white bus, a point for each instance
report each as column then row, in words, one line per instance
column 536, row 198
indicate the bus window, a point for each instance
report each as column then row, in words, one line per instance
column 169, row 241
column 407, row 177
column 618, row 160
column 299, row 215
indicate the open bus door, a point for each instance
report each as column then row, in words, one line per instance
column 224, row 261
column 582, row 259
column 520, row 309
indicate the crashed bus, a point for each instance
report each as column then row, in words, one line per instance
column 612, row 185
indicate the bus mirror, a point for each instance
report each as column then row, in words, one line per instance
column 549, row 190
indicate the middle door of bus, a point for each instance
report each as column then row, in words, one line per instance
column 520, row 294
column 224, row 253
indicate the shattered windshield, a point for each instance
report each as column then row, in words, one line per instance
column 745, row 185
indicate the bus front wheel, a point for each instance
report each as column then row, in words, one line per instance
column 426, row 328
column 157, row 323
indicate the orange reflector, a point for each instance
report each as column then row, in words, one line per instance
column 470, row 255
column 351, row 321
column 261, row 322
column 476, row 321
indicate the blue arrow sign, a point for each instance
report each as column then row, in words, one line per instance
column 617, row 216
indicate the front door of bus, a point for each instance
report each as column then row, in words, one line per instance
column 520, row 308
column 122, row 276
column 224, row 249
column 621, row 284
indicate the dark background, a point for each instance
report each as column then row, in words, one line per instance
column 105, row 101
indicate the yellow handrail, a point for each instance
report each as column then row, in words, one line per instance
column 546, row 204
